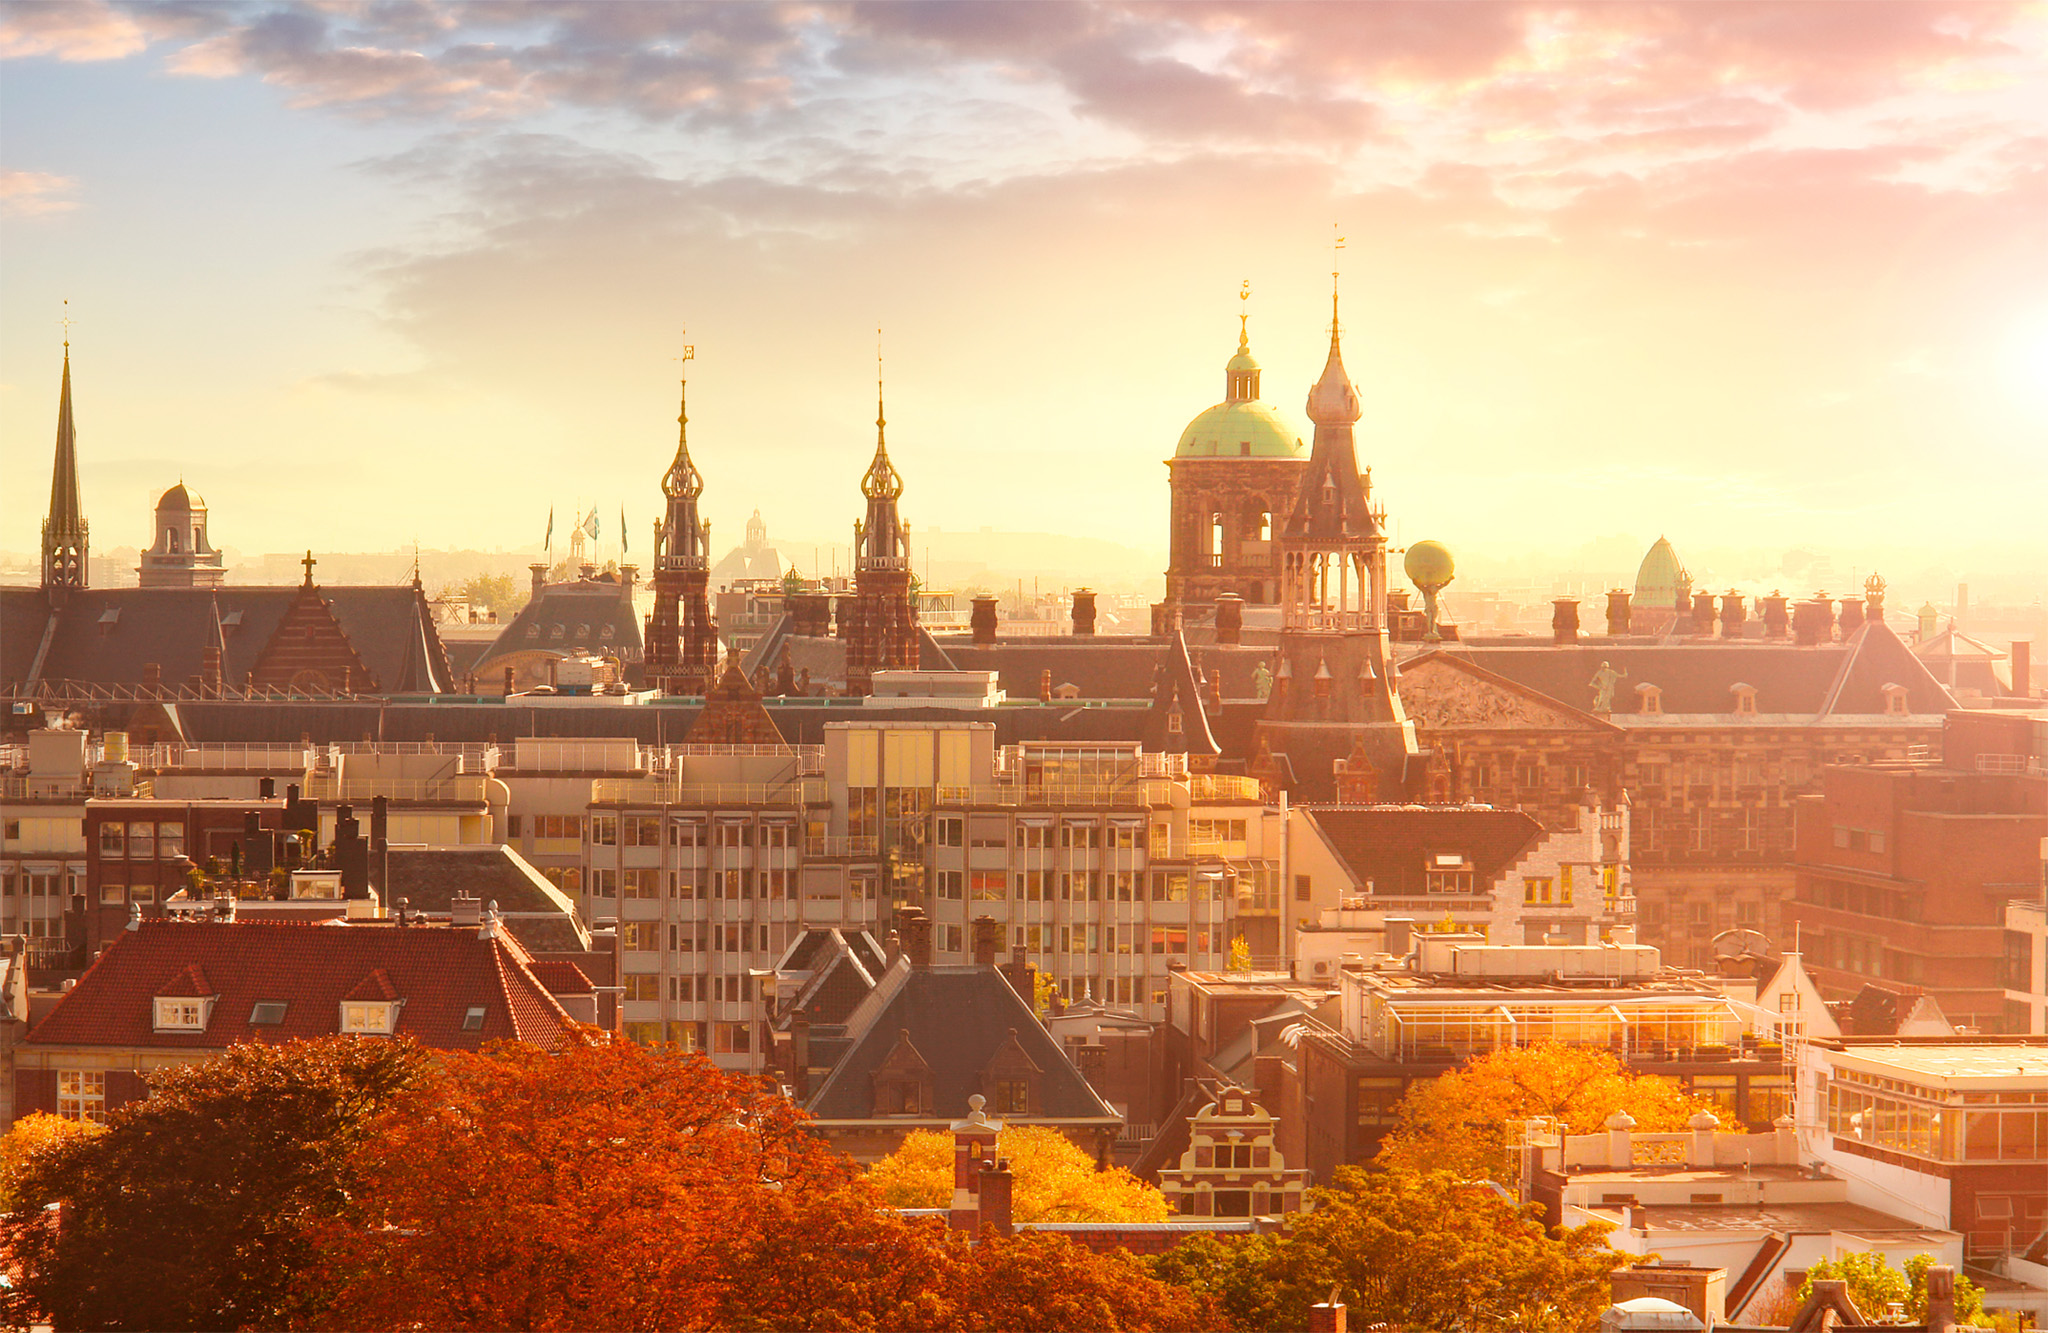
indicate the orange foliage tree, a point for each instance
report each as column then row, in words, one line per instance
column 609, row 1185
column 1461, row 1121
column 1055, row 1180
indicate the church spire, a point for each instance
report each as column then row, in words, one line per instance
column 1333, row 401
column 1241, row 374
column 64, row 531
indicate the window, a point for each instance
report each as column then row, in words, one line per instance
column 643, row 986
column 1169, row 939
column 512, row 826
column 952, row 831
column 951, row 883
column 1170, row 886
column 686, row 833
column 142, row 842
column 1302, row 891
column 113, row 840
column 181, row 1014
column 1032, row 886
column 1013, row 1096
column 561, row 827
column 369, row 1017
column 641, row 936
column 1034, row 836
column 641, row 830
column 604, row 883
column 267, row 1014
column 641, row 882
column 604, row 830
column 988, row 886
column 113, row 895
column 82, row 1095
column 170, row 841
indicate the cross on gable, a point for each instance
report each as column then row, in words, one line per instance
column 309, row 562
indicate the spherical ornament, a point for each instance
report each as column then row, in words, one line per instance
column 1429, row 565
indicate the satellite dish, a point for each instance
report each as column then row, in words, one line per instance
column 1742, row 942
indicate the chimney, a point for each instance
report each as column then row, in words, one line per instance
column 915, row 929
column 1941, row 1298
column 465, row 910
column 266, row 789
column 811, row 615
column 1564, row 620
column 152, row 675
column 1084, row 611
column 843, row 612
column 1774, row 615
column 1617, row 611
column 209, row 669
column 1022, row 975
column 1807, row 625
column 1045, row 686
column 1852, row 615
column 1400, row 932
column 892, row 949
column 1229, row 618
column 540, row 577
column 996, row 1183
column 2023, row 668
column 1703, row 613
column 631, row 574
column 1732, row 614
column 988, row 937
column 974, row 1146
column 1327, row 1316
column 982, row 623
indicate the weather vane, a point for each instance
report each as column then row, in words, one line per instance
column 65, row 320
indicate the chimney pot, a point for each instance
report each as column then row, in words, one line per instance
column 1084, row 611
column 982, row 621
column 1564, row 620
column 1230, row 618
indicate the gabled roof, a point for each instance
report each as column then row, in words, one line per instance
column 1390, row 845
column 594, row 614
column 431, row 878
column 438, row 971
column 390, row 629
column 1175, row 690
column 958, row 1017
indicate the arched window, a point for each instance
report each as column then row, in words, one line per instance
column 171, row 539
column 1215, row 534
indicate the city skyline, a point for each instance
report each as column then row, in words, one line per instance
column 1770, row 279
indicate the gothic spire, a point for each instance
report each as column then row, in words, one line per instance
column 64, row 531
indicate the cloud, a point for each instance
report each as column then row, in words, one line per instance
column 29, row 194
column 83, row 30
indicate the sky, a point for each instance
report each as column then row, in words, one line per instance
column 1760, row 277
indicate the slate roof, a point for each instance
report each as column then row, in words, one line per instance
column 957, row 1017
column 439, row 972
column 110, row 635
column 1696, row 676
column 594, row 614
column 1102, row 666
column 431, row 878
column 1390, row 844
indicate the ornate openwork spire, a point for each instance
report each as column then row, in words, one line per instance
column 882, row 481
column 64, row 530
column 682, row 481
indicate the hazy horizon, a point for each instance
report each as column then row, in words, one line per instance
column 1759, row 278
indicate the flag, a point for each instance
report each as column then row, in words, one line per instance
column 623, row 541
column 549, row 543
column 590, row 524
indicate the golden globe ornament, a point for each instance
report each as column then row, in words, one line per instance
column 1430, row 568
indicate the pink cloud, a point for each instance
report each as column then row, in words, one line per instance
column 28, row 194
column 83, row 30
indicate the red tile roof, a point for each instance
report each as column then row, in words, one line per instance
column 440, row 972
column 562, row 978
column 189, row 984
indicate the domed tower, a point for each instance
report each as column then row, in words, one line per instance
column 681, row 647
column 181, row 556
column 1663, row 590
column 883, row 635
column 1236, row 467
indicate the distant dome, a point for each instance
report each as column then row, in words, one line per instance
column 178, row 500
column 1660, row 578
column 1239, row 430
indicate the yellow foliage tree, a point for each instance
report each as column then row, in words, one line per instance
column 1460, row 1121
column 33, row 1134
column 1054, row 1181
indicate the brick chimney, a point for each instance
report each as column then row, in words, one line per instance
column 996, row 1184
column 1564, row 620
column 1941, row 1298
column 1084, row 611
column 983, row 621
column 1774, row 616
column 1852, row 615
column 1732, row 615
column 540, row 577
column 974, row 1148
column 1327, row 1316
column 2023, row 668
column 1618, row 611
column 1045, row 686
column 1022, row 974
column 1229, row 618
column 914, row 928
column 1703, row 613
column 988, row 939
column 843, row 613
column 810, row 615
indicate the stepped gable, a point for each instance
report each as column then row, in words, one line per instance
column 310, row 650
column 438, row 971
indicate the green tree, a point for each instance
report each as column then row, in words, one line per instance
column 497, row 592
column 1420, row 1249
column 1460, row 1121
column 189, row 1211
column 1873, row 1284
column 1052, row 1180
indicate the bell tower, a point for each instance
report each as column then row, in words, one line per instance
column 681, row 647
column 883, row 635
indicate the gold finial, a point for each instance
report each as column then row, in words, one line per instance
column 683, row 383
column 1336, row 267
column 879, row 420
column 65, row 321
column 1244, row 294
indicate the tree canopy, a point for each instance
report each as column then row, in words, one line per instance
column 1054, row 1181
column 189, row 1210
column 1873, row 1284
column 1418, row 1249
column 1460, row 1121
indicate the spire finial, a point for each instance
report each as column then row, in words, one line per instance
column 65, row 321
column 1336, row 273
column 880, row 418
column 1244, row 296
column 683, row 389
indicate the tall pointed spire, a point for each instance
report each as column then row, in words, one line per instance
column 1333, row 401
column 681, row 639
column 64, row 531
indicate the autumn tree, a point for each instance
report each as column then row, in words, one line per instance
column 1461, row 1120
column 610, row 1185
column 190, row 1210
column 1054, row 1180
column 1873, row 1285
column 1419, row 1249
column 28, row 1139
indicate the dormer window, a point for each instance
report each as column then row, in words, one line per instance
column 473, row 1018
column 1745, row 699
column 1173, row 721
column 370, row 1017
column 1895, row 700
column 1013, row 1096
column 182, row 1013
column 1652, row 698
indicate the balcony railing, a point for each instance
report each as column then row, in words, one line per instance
column 661, row 792
column 456, row 789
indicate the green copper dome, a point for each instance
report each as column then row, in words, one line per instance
column 1660, row 576
column 1239, row 430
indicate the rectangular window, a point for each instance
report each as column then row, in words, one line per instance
column 604, row 883
column 604, row 830
column 1032, row 887
column 640, row 882
column 369, row 1016
column 473, row 1018
column 113, row 841
column 82, row 1095
column 170, row 841
column 142, row 842
column 1539, row 891
column 1169, row 939
column 641, row 830
column 1170, row 886
column 641, row 936
column 1013, row 1096
column 180, row 1014
column 952, row 883
column 113, row 895
column 952, row 831
column 512, row 825
column 643, row 986
column 686, row 833
column 988, row 886
column 949, row 939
